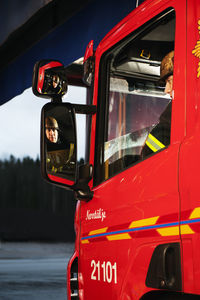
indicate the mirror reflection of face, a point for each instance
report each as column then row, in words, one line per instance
column 51, row 129
column 55, row 81
column 52, row 134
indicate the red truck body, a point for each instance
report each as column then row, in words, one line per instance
column 137, row 219
column 153, row 204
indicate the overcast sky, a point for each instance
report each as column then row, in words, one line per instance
column 20, row 124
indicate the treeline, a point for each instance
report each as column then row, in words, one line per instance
column 30, row 208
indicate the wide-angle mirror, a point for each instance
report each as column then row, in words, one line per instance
column 49, row 79
column 88, row 64
column 58, row 143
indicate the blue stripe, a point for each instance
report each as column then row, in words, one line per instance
column 130, row 230
column 141, row 229
column 190, row 221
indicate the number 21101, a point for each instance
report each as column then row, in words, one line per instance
column 105, row 271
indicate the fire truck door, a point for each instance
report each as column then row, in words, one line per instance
column 135, row 207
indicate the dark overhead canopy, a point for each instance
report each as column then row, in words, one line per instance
column 59, row 29
column 24, row 32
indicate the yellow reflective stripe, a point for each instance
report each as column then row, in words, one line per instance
column 101, row 230
column 168, row 231
column 185, row 229
column 156, row 141
column 71, row 150
column 153, row 143
column 195, row 213
column 122, row 236
column 144, row 222
column 85, row 242
column 151, row 147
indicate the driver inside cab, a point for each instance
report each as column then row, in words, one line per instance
column 159, row 137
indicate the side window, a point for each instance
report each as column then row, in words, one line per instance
column 138, row 104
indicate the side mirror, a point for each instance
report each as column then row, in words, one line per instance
column 58, row 144
column 49, row 79
column 88, row 64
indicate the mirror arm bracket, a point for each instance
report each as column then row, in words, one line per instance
column 84, row 109
column 56, row 99
column 82, row 190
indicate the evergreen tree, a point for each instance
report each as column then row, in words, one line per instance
column 23, row 189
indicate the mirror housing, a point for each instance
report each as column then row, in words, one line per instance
column 58, row 144
column 49, row 79
column 88, row 64
column 59, row 148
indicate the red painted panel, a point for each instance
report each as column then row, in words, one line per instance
column 146, row 190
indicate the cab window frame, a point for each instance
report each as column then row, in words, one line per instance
column 103, row 93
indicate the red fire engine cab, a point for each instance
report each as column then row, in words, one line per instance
column 137, row 219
